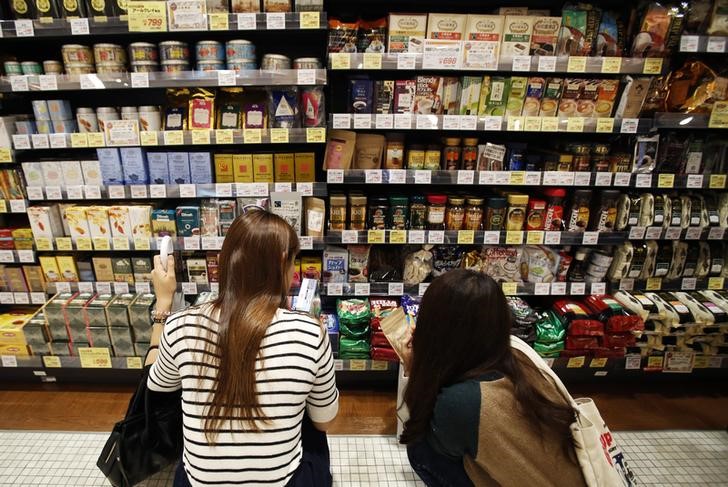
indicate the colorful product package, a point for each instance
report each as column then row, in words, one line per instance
column 545, row 35
column 163, row 223
column 517, row 31
column 481, row 48
column 406, row 32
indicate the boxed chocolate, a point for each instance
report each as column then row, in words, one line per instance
column 163, row 222
column 517, row 31
column 123, row 271
column 224, row 168
column 243, row 168
column 188, row 221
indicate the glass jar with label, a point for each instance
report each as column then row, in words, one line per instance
column 495, row 216
column 606, row 215
column 357, row 212
column 455, row 213
column 398, row 209
column 621, row 162
column 516, row 214
column 554, row 219
column 582, row 159
column 474, row 214
column 600, row 157
column 432, row 158
column 418, row 213
column 378, row 212
column 451, row 154
column 416, row 157
column 436, row 204
column 470, row 154
column 337, row 212
column 566, row 162
column 579, row 214
column 536, row 214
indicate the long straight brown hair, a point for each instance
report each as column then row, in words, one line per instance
column 463, row 332
column 254, row 264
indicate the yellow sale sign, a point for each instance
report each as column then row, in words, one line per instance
column 147, row 16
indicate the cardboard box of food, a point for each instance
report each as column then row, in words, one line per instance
column 406, row 32
column 517, row 31
column 284, row 167
column 545, row 36
column 305, row 164
column 483, row 35
column 446, row 26
column 242, row 168
column 103, row 269
column 224, row 168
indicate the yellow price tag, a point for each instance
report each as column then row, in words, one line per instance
column 653, row 65
column 532, row 124
column 380, row 365
column 84, row 243
column 653, row 284
column 515, row 124
column 376, row 236
column 357, row 365
column 141, row 243
column 466, row 237
column 64, row 243
column 96, row 139
column 340, row 60
column 148, row 138
column 46, row 20
column 219, row 21
column 147, row 16
column 514, row 238
column 43, row 243
column 101, row 243
column 279, row 136
column 534, row 237
column 223, row 136
column 372, row 60
column 701, row 362
column 518, row 177
column 173, row 137
column 252, row 136
column 719, row 115
column 200, row 137
column 549, row 124
column 79, row 140
column 605, row 125
column 716, row 283
column 133, row 362
column 574, row 124
column 121, row 243
column 5, row 154
column 577, row 64
column 315, row 135
column 576, row 362
column 665, row 180
column 52, row 362
column 3, row 206
column 510, row 288
column 95, row 358
column 309, row 20
column 654, row 362
column 717, row 181
column 398, row 236
column 598, row 363
column 611, row 65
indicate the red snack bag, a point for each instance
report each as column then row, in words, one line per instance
column 380, row 340
column 624, row 323
column 384, row 354
column 575, row 353
column 620, row 340
column 579, row 343
column 586, row 328
column 608, row 352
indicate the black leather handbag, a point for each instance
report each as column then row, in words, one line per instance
column 147, row 440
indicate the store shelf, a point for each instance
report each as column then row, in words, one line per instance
column 48, row 28
column 527, row 178
column 183, row 79
column 681, row 120
column 161, row 191
column 703, row 44
column 524, row 64
column 13, row 206
column 173, row 138
column 658, row 284
column 17, row 256
column 413, row 121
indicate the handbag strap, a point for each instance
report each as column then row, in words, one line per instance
column 539, row 362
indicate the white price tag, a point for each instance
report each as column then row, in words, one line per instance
column 673, row 233
column 157, row 190
column 86, row 287
column 426, row 122
column 187, row 191
column 423, row 177
column 397, row 176
column 306, row 76
column 416, row 237
column 143, row 287
column 8, row 360
column 384, row 121
column 138, row 191
column 57, row 141
column 486, row 178
column 35, row 193
column 17, row 206
column 140, row 80
column 7, row 256
column 450, row 122
column 502, row 178
column 578, row 288
column 90, row 82
column 116, row 192
column 622, row 178
column 335, row 176
column 542, row 289
column 92, row 192
column 342, row 121
column 468, row 122
column 693, row 233
column 26, row 256
column 558, row 288
column 335, row 289
column 441, row 54
column 373, row 176
column 24, row 28
column 689, row 283
column 226, row 77
column 582, row 178
column 63, row 287
column 54, row 193
column 547, row 64
column 395, row 288
column 653, row 233
column 643, row 181
column 48, row 82
column 716, row 45
column 283, row 187
column 21, row 298
column 637, row 233
column 103, row 287
column 362, row 120
column 435, row 237
column 422, row 288
column 37, row 298
column 493, row 123
column 491, row 238
column 632, row 362
column 74, row 192
column 189, row 288
column 629, row 125
column 209, row 243
column 551, row 178
column 306, row 243
column 466, row 177
column 243, row 189
column 566, row 178
column 552, row 238
column 533, row 178
column 225, row 190
column 403, row 121
column 590, row 238
column 275, row 21
column 406, row 60
column 306, row 189
column 603, row 179
column 522, row 63
column 121, row 288
column 599, row 288
column 40, row 141
column 715, row 233
column 19, row 83
column 349, row 236
column 247, row 21
column 79, row 26
column 626, row 284
column 695, row 181
column 362, row 289
column 21, row 141
column 191, row 243
column 689, row 43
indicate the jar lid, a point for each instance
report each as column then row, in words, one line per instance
column 129, row 109
column 142, row 44
column 497, row 202
column 456, row 200
column 379, row 200
column 337, row 200
column 470, row 141
column 398, row 200
column 416, row 147
column 357, row 200
column 452, row 141
column 566, row 158
column 417, row 198
column 172, row 43
column 433, row 147
column 149, row 108
column 74, row 46
column 209, row 42
column 84, row 110
column 475, row 201
column 106, row 110
column 537, row 204
column 436, row 199
column 518, row 199
column 555, row 192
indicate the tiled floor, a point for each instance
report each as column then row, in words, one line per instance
column 657, row 458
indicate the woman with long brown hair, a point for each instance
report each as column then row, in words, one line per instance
column 257, row 380
column 481, row 413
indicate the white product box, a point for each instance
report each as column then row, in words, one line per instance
column 45, row 221
column 98, row 221
column 516, row 36
column 77, row 221
column 120, row 222
column 52, row 173
column 406, row 32
column 72, row 174
column 483, row 36
column 446, row 26
column 140, row 218
column 92, row 173
column 33, row 174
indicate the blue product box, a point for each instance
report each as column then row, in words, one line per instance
column 200, row 167
column 330, row 320
column 134, row 163
column 188, row 221
column 158, row 170
column 110, row 164
column 179, row 167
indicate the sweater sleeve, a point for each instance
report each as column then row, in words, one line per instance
column 164, row 375
column 323, row 401
column 455, row 420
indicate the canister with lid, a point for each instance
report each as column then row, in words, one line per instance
column 108, row 68
column 12, row 68
column 31, row 67
column 275, row 62
column 150, row 118
column 52, row 66
column 209, row 51
column 417, row 213
column 337, row 212
column 144, row 67
column 455, row 213
column 357, row 212
column 210, row 65
column 242, row 64
column 106, row 114
column 516, row 214
column 79, row 68
column 175, row 66
column 143, row 51
column 109, row 53
column 436, row 208
column 174, row 51
column 129, row 113
column 239, row 49
column 87, row 121
column 398, row 209
column 306, row 63
column 76, row 54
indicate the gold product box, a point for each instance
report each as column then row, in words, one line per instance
column 284, row 168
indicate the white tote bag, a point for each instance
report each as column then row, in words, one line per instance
column 600, row 458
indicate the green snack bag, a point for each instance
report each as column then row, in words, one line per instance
column 353, row 330
column 353, row 310
column 550, row 329
column 348, row 346
column 548, row 349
